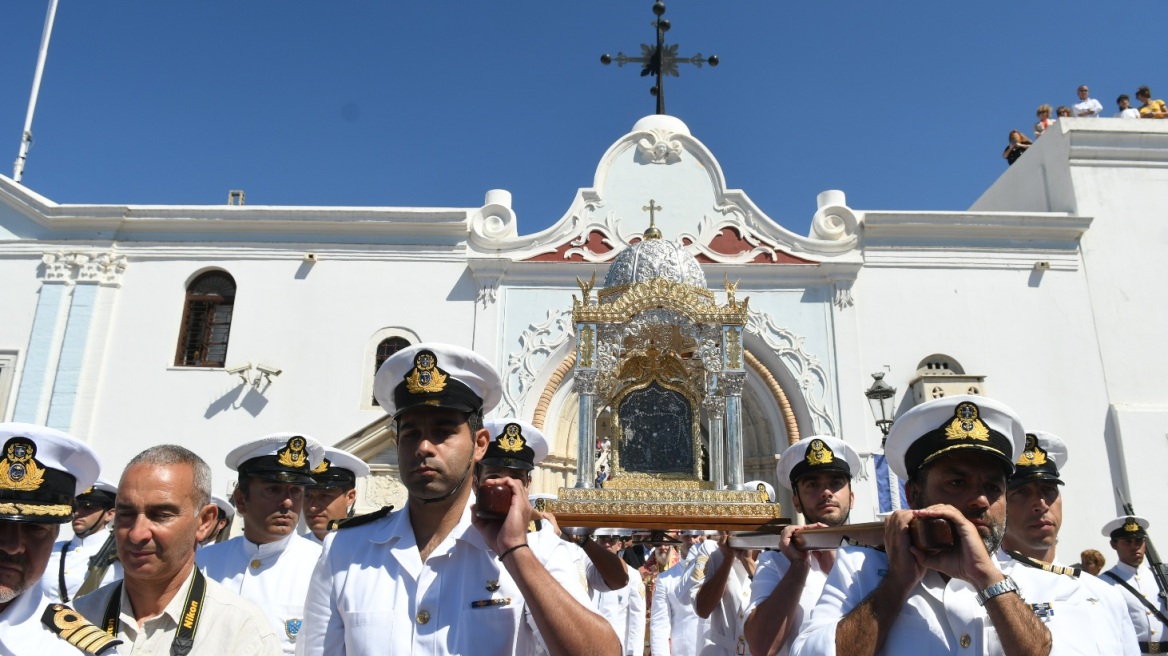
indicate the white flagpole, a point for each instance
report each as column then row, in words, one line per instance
column 26, row 138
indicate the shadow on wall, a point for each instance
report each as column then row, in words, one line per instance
column 241, row 397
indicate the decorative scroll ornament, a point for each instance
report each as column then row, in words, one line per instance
column 426, row 377
column 806, row 369
column 536, row 346
column 733, row 349
column 293, row 454
column 658, row 147
column 966, row 425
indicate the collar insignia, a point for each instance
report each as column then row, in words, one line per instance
column 966, row 425
column 1033, row 456
column 324, row 466
column 293, row 454
column 819, row 453
column 512, row 439
column 19, row 469
column 426, row 377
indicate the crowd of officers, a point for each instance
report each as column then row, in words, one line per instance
column 148, row 570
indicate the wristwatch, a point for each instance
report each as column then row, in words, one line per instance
column 1001, row 587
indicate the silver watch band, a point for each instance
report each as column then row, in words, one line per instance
column 1001, row 587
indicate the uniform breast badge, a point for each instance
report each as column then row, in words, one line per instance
column 492, row 586
column 292, row 628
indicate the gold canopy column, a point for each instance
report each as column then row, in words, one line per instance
column 586, row 389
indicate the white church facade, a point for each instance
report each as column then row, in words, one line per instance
column 210, row 325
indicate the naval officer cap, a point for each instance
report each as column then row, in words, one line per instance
column 954, row 424
column 102, row 493
column 339, row 469
column 1042, row 458
column 279, row 457
column 1128, row 526
column 515, row 444
column 438, row 375
column 224, row 506
column 761, row 486
column 815, row 454
column 41, row 472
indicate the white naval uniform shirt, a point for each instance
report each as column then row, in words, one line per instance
column 725, row 633
column 673, row 621
column 624, row 609
column 21, row 631
column 371, row 593
column 769, row 572
column 229, row 625
column 1148, row 628
column 273, row 576
column 76, row 565
column 943, row 617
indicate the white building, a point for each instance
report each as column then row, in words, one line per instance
column 210, row 325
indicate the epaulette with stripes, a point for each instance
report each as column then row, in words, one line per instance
column 1043, row 565
column 70, row 626
column 360, row 520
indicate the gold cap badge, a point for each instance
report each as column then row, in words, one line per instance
column 819, row 453
column 425, row 377
column 1131, row 526
column 19, row 470
column 966, row 425
column 1033, row 456
column 293, row 455
column 512, row 438
column 324, row 466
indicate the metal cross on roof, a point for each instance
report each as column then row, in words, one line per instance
column 659, row 60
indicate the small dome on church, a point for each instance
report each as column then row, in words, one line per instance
column 655, row 258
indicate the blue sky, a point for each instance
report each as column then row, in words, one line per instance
column 903, row 105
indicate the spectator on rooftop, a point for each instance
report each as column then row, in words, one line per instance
column 1125, row 108
column 1044, row 120
column 1063, row 110
column 1087, row 107
column 1018, row 145
column 1150, row 108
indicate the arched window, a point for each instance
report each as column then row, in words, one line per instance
column 206, row 322
column 386, row 348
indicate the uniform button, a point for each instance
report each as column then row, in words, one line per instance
column 965, row 640
column 423, row 616
column 255, row 564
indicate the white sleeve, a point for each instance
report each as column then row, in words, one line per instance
column 698, row 570
column 660, row 622
column 635, row 642
column 840, row 595
column 772, row 567
column 324, row 627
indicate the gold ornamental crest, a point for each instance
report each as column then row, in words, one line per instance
column 1033, row 455
column 293, row 455
column 324, row 466
column 19, row 470
column 1131, row 526
column 512, row 439
column 819, row 453
column 966, row 425
column 425, row 378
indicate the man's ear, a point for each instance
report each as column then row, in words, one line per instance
column 208, row 518
column 482, row 440
column 108, row 516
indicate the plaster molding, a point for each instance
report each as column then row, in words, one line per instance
column 659, row 147
column 70, row 267
column 842, row 295
column 536, row 345
column 807, row 370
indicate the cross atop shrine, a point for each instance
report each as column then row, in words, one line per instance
column 652, row 209
column 659, row 60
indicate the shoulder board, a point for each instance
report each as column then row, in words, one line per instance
column 361, row 520
column 1043, row 565
column 70, row 626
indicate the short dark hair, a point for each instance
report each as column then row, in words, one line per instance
column 1144, row 92
column 1122, row 97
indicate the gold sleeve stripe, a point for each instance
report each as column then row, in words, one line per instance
column 75, row 629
